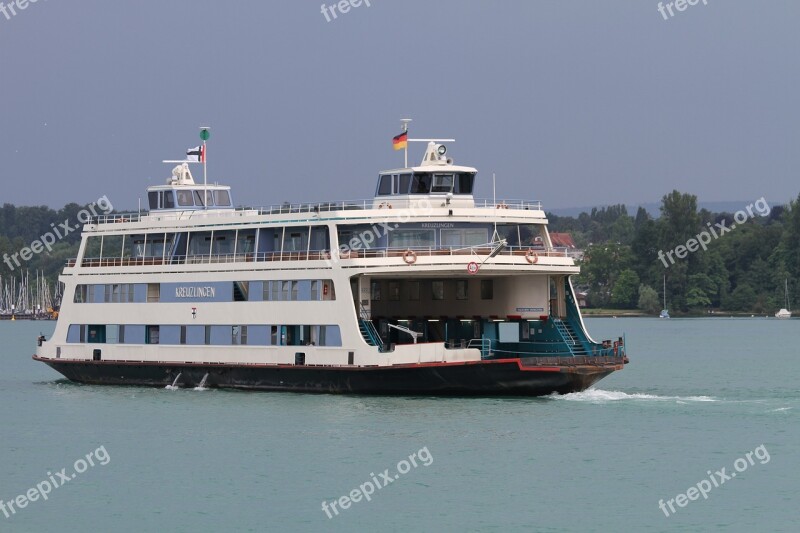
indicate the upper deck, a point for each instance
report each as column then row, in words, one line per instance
column 428, row 211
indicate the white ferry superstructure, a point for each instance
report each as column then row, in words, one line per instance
column 420, row 290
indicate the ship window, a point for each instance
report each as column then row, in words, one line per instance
column 223, row 198
column 464, row 183
column 168, row 201
column 294, row 291
column 319, row 239
column 442, row 183
column 200, row 243
column 461, row 289
column 509, row 232
column 152, row 335
column 315, row 290
column 437, row 290
column 183, row 335
column 97, row 334
column 285, row 291
column 198, row 198
column 405, row 181
column 152, row 197
column 80, row 294
column 394, row 291
column 375, row 290
column 385, row 185
column 153, row 292
column 412, row 238
column 273, row 336
column 223, row 242
column 74, row 333
column 465, row 237
column 246, row 241
column 413, row 290
column 421, row 183
column 185, row 198
column 487, row 289
column 209, row 198
column 295, row 239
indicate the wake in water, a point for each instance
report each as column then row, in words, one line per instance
column 603, row 396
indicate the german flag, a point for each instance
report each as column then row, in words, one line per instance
column 400, row 141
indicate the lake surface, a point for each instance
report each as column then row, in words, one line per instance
column 698, row 395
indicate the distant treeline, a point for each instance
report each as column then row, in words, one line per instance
column 22, row 226
column 743, row 269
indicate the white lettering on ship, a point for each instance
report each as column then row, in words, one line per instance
column 195, row 292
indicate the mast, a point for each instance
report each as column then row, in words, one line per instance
column 405, row 122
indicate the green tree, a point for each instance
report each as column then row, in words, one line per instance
column 648, row 300
column 625, row 293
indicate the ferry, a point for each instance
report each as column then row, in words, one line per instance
column 422, row 289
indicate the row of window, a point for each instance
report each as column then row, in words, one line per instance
column 228, row 335
column 266, row 243
column 208, row 243
column 426, row 183
column 189, row 198
column 227, row 291
column 439, row 290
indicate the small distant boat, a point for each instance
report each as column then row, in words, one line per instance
column 664, row 312
column 785, row 313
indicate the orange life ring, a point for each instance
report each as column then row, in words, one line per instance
column 531, row 256
column 387, row 205
column 410, row 257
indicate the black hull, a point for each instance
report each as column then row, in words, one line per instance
column 507, row 377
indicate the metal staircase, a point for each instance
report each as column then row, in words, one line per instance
column 368, row 331
column 570, row 337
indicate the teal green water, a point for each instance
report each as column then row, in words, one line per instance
column 698, row 395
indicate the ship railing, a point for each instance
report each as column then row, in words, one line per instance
column 116, row 218
column 319, row 255
column 526, row 205
column 309, row 208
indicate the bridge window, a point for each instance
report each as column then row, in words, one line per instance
column 185, row 198
column 421, row 183
column 222, row 198
column 442, row 183
column 385, row 185
column 464, row 183
column 198, row 198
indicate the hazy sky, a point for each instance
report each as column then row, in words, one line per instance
column 570, row 102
